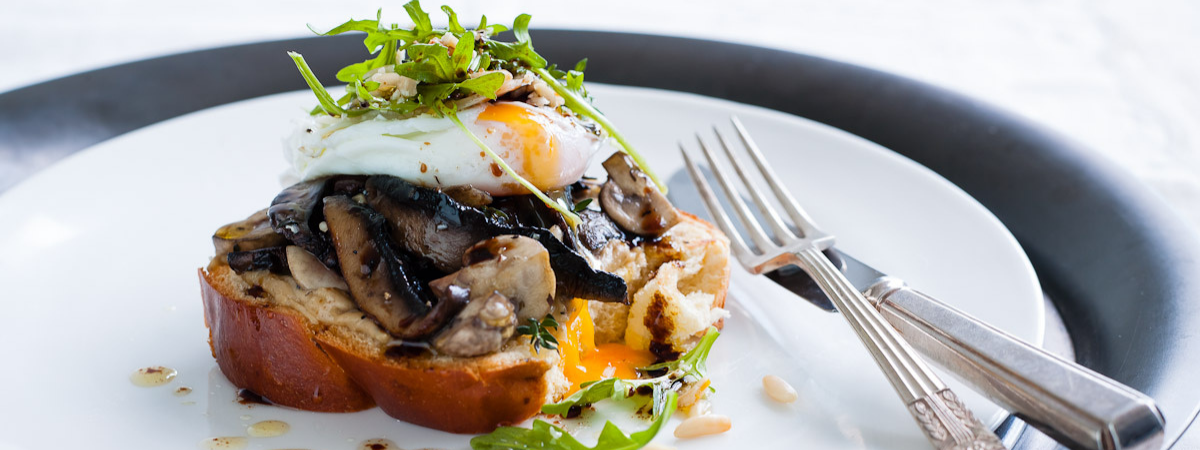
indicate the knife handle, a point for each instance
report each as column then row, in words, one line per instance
column 1074, row 405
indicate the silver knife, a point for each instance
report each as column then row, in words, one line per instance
column 1074, row 405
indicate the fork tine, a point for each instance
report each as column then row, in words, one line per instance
column 731, row 193
column 782, row 233
column 740, row 249
column 803, row 221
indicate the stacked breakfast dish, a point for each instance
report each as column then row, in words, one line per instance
column 439, row 252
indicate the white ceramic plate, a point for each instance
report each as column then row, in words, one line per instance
column 100, row 254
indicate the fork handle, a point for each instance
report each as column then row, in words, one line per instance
column 1074, row 405
column 945, row 421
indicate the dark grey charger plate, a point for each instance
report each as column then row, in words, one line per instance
column 1123, row 270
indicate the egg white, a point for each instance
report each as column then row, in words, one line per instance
column 434, row 152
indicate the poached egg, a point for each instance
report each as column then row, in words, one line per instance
column 544, row 147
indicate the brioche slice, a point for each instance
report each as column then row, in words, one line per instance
column 314, row 350
column 677, row 287
column 271, row 349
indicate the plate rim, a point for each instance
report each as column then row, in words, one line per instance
column 1012, row 165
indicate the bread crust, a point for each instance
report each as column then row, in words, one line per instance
column 291, row 360
column 271, row 351
column 282, row 356
column 453, row 399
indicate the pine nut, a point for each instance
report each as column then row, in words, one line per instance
column 779, row 389
column 656, row 446
column 406, row 87
column 703, row 426
column 449, row 40
column 386, row 78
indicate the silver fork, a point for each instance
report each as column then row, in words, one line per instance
column 945, row 421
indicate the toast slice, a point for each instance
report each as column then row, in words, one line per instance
column 314, row 350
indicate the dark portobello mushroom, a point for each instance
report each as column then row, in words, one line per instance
column 273, row 259
column 469, row 195
column 296, row 213
column 379, row 275
column 529, row 211
column 596, row 229
column 430, row 223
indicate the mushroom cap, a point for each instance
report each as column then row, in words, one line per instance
column 632, row 200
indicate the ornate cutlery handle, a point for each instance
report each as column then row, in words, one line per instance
column 945, row 421
column 1076, row 406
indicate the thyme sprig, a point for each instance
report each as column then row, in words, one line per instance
column 539, row 333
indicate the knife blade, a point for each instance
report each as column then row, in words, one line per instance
column 794, row 279
column 1071, row 403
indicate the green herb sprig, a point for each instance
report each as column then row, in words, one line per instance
column 583, row 107
column 581, row 206
column 545, row 436
column 664, row 398
column 539, row 333
column 694, row 362
column 691, row 364
column 568, row 215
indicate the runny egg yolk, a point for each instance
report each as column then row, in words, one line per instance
column 585, row 361
column 528, row 134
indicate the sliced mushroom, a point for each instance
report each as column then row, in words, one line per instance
column 469, row 195
column 481, row 328
column 310, row 273
column 585, row 188
column 632, row 200
column 377, row 275
column 596, row 229
column 575, row 277
column 530, row 211
column 273, row 259
column 430, row 223
column 251, row 234
column 515, row 266
column 296, row 214
column 348, row 185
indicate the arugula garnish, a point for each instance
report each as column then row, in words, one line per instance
column 545, row 436
column 694, row 362
column 539, row 333
column 691, row 364
column 326, row 101
column 450, row 65
column 664, row 398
